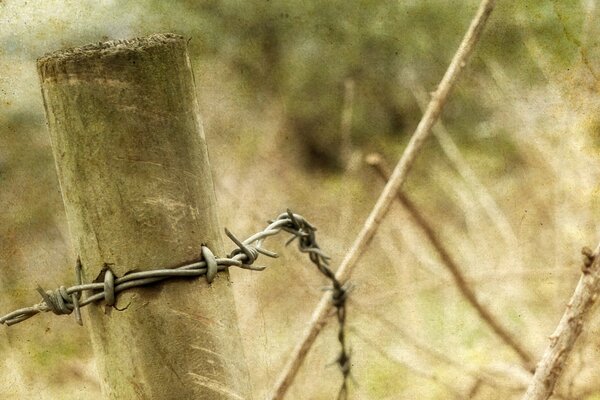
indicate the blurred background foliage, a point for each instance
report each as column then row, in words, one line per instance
column 300, row 54
column 274, row 80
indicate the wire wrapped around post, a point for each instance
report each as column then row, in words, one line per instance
column 64, row 301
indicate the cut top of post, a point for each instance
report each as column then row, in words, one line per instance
column 80, row 59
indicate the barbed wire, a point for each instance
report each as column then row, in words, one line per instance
column 64, row 301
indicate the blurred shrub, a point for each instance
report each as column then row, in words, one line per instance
column 299, row 54
column 302, row 52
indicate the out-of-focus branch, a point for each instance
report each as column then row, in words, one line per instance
column 500, row 376
column 416, row 370
column 371, row 225
column 346, row 122
column 568, row 330
column 588, row 22
column 458, row 161
column 378, row 163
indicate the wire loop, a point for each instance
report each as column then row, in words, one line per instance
column 109, row 288
column 211, row 263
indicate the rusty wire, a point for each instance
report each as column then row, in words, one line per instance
column 63, row 301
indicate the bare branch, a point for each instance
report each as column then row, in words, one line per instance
column 499, row 376
column 378, row 163
column 423, row 131
column 568, row 330
column 425, row 373
column 346, row 122
column 458, row 161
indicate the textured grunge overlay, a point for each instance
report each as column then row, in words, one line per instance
column 463, row 289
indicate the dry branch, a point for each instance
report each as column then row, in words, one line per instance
column 346, row 122
column 499, row 376
column 423, row 131
column 458, row 161
column 426, row 373
column 378, row 163
column 568, row 330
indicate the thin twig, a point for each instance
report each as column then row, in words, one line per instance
column 419, row 371
column 514, row 379
column 474, row 389
column 453, row 153
column 588, row 22
column 568, row 330
column 378, row 163
column 346, row 122
column 423, row 131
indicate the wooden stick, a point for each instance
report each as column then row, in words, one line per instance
column 423, row 131
column 568, row 330
column 136, row 182
column 378, row 163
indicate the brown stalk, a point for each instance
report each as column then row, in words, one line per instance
column 379, row 164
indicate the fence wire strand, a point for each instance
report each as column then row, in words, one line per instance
column 67, row 300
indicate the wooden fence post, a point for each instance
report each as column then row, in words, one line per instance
column 136, row 183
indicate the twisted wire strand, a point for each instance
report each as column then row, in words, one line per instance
column 308, row 244
column 66, row 300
